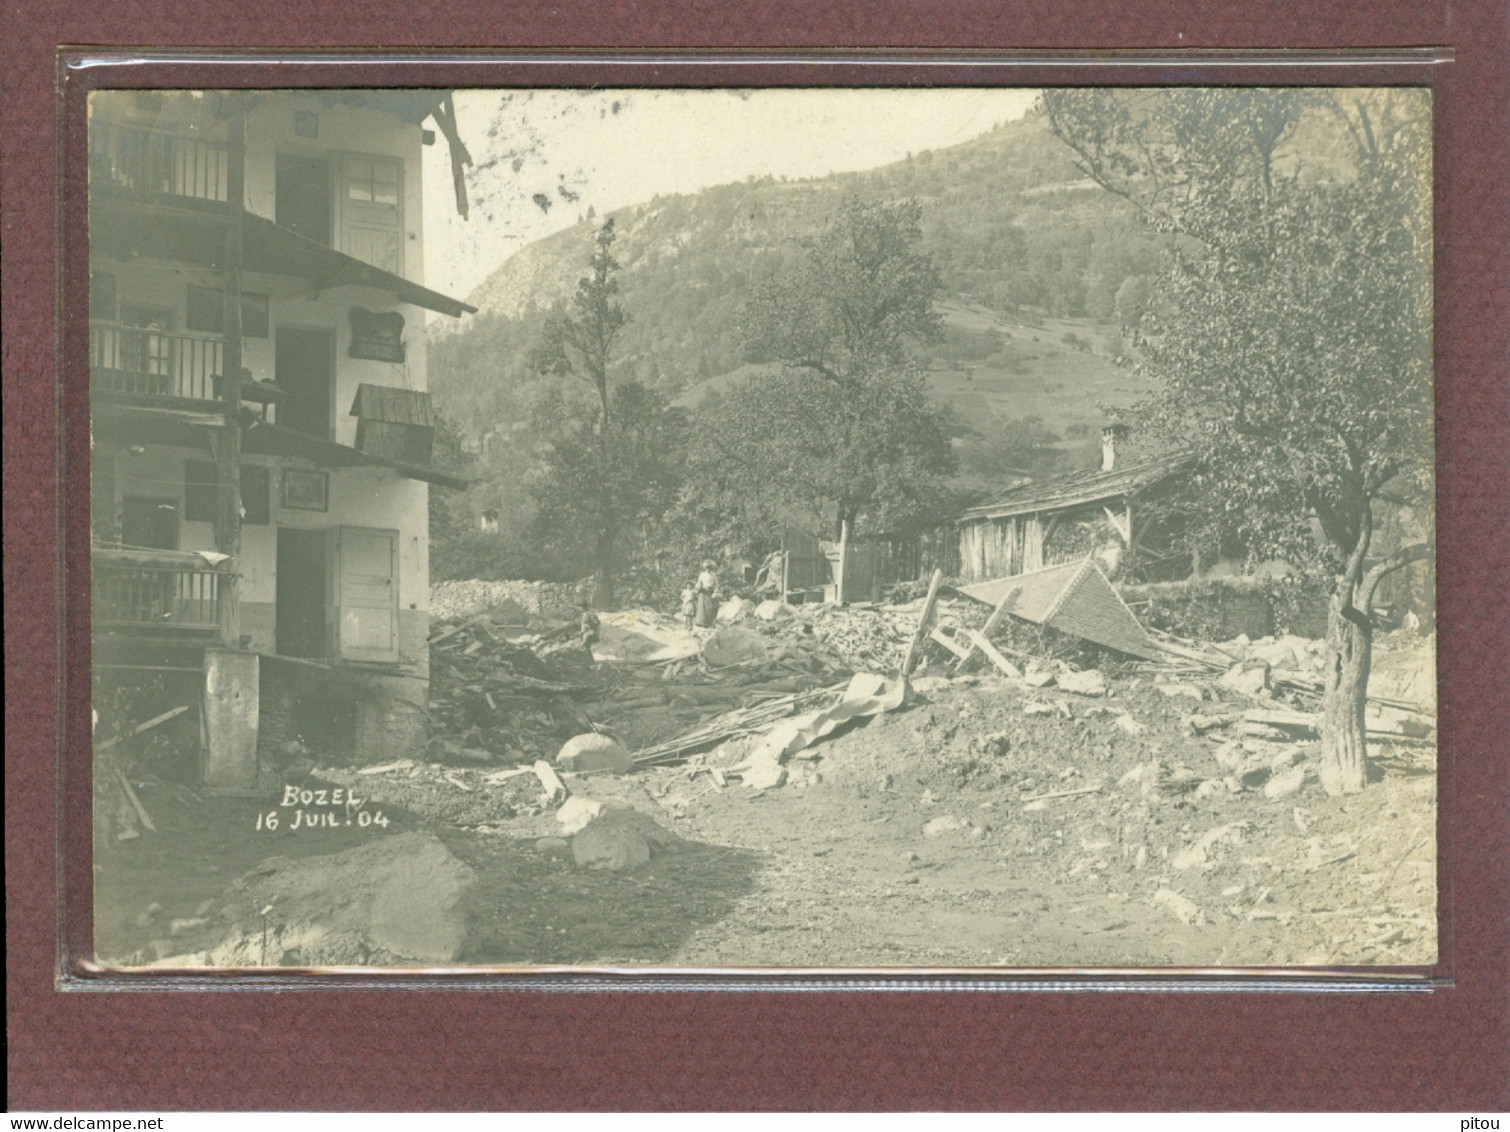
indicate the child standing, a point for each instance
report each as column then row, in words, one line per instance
column 689, row 604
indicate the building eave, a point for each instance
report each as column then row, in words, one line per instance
column 193, row 231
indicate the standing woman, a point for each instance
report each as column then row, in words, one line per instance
column 707, row 595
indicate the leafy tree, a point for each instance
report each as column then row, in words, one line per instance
column 846, row 429
column 596, row 485
column 1292, row 337
column 580, row 343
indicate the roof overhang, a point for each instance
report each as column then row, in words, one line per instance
column 1062, row 494
column 194, row 231
column 185, row 429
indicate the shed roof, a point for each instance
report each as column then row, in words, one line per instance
column 1077, row 489
column 393, row 405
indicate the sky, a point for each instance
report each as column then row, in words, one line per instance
column 541, row 158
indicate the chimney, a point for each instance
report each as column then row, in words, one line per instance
column 1111, row 436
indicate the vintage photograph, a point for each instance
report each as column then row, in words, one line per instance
column 860, row 529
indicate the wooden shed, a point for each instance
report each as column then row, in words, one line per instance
column 394, row 423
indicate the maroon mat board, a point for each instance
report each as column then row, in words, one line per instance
column 384, row 1049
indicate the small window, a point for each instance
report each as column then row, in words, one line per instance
column 371, row 180
column 206, row 312
column 101, row 296
column 202, row 493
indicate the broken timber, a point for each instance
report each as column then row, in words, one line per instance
column 1003, row 607
column 978, row 637
column 922, row 631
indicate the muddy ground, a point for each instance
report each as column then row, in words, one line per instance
column 986, row 824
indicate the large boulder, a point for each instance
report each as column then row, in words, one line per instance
column 736, row 609
column 594, row 752
column 733, row 646
column 396, row 901
column 773, row 608
column 620, row 839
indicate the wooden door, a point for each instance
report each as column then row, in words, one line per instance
column 367, row 594
column 302, row 197
column 301, row 611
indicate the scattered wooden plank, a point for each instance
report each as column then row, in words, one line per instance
column 1004, row 606
column 1062, row 794
column 549, row 781
column 993, row 655
column 136, row 803
column 943, row 638
column 922, row 630
column 505, row 775
column 155, row 721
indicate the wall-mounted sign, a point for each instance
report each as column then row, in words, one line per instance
column 377, row 335
column 305, row 490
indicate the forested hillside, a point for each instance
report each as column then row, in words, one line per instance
column 1042, row 268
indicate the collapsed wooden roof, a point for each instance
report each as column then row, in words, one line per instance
column 1074, row 598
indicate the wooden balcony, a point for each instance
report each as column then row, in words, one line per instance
column 156, row 163
column 154, row 363
column 164, row 590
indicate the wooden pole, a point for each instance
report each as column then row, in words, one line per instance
column 843, row 560
column 228, row 448
column 922, row 630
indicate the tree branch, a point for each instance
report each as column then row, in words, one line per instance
column 1416, row 552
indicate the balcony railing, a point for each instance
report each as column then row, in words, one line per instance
column 130, row 594
column 156, row 162
column 126, row 359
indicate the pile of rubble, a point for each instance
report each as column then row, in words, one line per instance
column 505, row 684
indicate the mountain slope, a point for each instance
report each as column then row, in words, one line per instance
column 1032, row 254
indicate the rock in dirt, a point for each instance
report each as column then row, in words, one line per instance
column 619, row 839
column 1087, row 683
column 594, row 752
column 1185, row 910
column 947, row 823
column 1286, row 783
column 764, row 773
column 576, row 813
column 396, row 900
column 1181, row 689
column 928, row 685
column 553, row 846
column 1037, row 678
column 773, row 609
column 733, row 646
column 1250, row 678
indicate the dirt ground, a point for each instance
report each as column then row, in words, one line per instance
column 986, row 824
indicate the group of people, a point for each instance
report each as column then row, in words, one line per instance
column 700, row 599
column 699, row 607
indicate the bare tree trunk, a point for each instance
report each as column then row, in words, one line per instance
column 1349, row 644
column 603, row 580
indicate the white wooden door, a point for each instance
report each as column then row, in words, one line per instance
column 367, row 594
column 372, row 211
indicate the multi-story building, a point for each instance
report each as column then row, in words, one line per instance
column 260, row 498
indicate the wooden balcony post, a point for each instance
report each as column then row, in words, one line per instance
column 228, row 448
